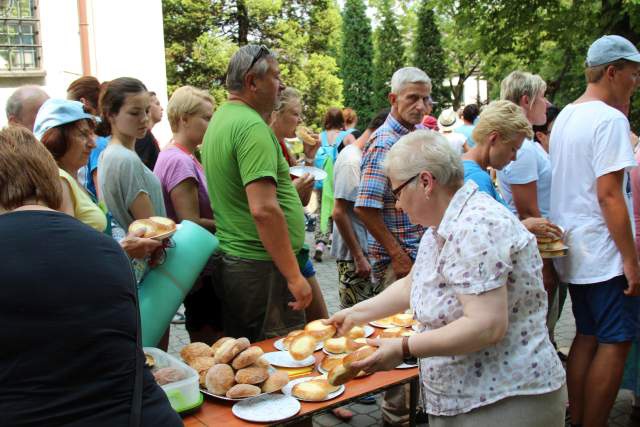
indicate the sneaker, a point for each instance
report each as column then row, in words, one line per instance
column 178, row 319
column 319, row 251
column 367, row 400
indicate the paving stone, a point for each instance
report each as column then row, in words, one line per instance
column 325, row 420
column 363, row 421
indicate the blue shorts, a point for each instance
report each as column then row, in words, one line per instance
column 604, row 311
column 308, row 270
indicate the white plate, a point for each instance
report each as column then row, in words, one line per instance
column 368, row 331
column 382, row 325
column 318, row 174
column 284, row 360
column 289, row 387
column 280, row 346
column 406, row 366
column 267, row 408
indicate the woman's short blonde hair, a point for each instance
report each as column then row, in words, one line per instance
column 186, row 101
column 520, row 83
column 424, row 150
column 28, row 172
column 288, row 96
column 505, row 118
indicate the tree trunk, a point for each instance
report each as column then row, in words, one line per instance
column 243, row 23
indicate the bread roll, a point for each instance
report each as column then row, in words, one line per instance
column 392, row 332
column 403, row 319
column 275, row 382
column 219, row 379
column 557, row 245
column 150, row 227
column 149, row 360
column 341, row 345
column 302, row 346
column 286, row 342
column 305, row 135
column 386, row 321
column 263, row 363
column 202, row 365
column 230, row 349
column 247, row 358
column 252, row 375
column 241, row 391
column 168, row 375
column 319, row 330
column 195, row 349
column 358, row 355
column 164, row 224
column 219, row 343
column 356, row 332
column 330, row 362
column 313, row 390
column 341, row 375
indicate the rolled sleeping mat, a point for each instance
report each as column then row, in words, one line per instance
column 165, row 286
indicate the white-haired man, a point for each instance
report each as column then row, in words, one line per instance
column 590, row 153
column 393, row 240
column 259, row 217
column 23, row 105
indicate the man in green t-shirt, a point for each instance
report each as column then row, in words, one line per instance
column 259, row 217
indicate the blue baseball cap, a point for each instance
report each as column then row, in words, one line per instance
column 57, row 112
column 611, row 48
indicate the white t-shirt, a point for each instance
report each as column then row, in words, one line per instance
column 456, row 140
column 532, row 164
column 588, row 140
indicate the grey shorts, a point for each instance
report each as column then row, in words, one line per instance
column 255, row 299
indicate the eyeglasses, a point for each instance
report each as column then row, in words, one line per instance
column 396, row 191
column 261, row 53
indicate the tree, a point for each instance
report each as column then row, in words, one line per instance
column 428, row 53
column 389, row 54
column 357, row 58
column 202, row 35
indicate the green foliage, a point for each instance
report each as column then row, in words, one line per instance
column 357, row 59
column 202, row 35
column 389, row 54
column 428, row 53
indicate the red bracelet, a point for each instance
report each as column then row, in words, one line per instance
column 406, row 353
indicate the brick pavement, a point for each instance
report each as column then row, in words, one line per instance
column 369, row 415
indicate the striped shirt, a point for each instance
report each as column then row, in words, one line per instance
column 375, row 192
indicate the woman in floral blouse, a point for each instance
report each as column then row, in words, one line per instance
column 476, row 290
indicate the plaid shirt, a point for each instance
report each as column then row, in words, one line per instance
column 375, row 192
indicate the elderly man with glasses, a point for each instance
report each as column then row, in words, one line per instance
column 260, row 220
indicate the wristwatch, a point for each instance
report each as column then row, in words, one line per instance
column 406, row 353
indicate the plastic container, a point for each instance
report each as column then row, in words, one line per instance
column 165, row 286
column 183, row 395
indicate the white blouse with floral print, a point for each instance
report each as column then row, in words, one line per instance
column 480, row 246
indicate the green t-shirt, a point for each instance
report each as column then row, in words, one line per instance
column 239, row 148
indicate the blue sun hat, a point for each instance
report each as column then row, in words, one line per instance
column 611, row 48
column 58, row 112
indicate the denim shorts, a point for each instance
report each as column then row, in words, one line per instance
column 604, row 311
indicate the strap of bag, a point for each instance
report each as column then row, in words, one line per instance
column 136, row 403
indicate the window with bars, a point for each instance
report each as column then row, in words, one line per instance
column 19, row 36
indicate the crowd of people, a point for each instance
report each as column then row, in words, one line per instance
column 437, row 215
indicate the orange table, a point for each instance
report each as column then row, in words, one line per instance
column 216, row 412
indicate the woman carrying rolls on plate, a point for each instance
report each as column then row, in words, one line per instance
column 284, row 120
column 499, row 133
column 69, row 313
column 186, row 197
column 476, row 290
column 129, row 189
column 67, row 131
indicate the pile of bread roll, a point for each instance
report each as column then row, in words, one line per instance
column 302, row 343
column 551, row 248
column 233, row 368
column 154, row 226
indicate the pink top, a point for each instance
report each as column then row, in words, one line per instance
column 174, row 166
